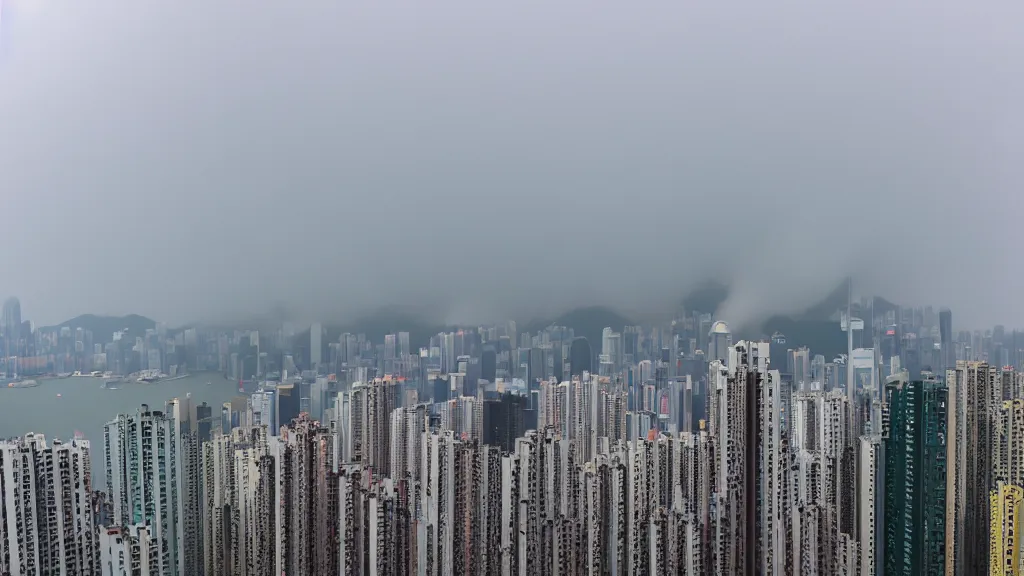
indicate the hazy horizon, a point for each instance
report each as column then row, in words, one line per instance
column 191, row 161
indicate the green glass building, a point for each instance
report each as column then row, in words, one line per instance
column 915, row 477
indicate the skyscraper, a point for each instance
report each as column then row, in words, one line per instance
column 975, row 396
column 231, row 470
column 502, row 421
column 489, row 364
column 946, row 340
column 580, row 357
column 870, row 503
column 611, row 347
column 305, row 500
column 142, row 452
column 737, row 431
column 46, row 522
column 127, row 551
column 915, row 482
column 1005, row 538
column 719, row 342
column 316, row 346
column 194, row 424
column 10, row 324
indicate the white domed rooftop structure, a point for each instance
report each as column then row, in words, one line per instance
column 719, row 327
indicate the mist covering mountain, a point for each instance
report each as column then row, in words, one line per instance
column 516, row 160
column 816, row 327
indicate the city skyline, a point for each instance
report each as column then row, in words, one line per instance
column 511, row 289
column 666, row 449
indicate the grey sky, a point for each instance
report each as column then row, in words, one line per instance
column 194, row 159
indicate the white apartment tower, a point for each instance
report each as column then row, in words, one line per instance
column 870, row 504
column 773, row 485
column 141, row 452
column 127, row 551
column 46, row 523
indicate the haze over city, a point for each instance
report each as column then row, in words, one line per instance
column 195, row 161
column 329, row 288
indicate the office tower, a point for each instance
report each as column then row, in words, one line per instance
column 719, row 342
column 915, row 477
column 318, row 397
column 947, row 351
column 974, row 398
column 802, row 368
column 681, row 406
column 778, row 352
column 10, row 323
column 287, row 409
column 611, row 348
column 46, row 523
column 143, row 479
column 503, row 421
column 316, row 346
column 865, row 372
column 580, row 357
column 489, row 364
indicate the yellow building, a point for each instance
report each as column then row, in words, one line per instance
column 1005, row 537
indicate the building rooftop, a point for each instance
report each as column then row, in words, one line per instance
column 719, row 327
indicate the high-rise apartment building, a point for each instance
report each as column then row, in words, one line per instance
column 975, row 395
column 736, row 429
column 1005, row 538
column 1008, row 443
column 870, row 503
column 231, row 508
column 304, row 497
column 47, row 524
column 129, row 550
column 142, row 452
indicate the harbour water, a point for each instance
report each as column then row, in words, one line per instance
column 60, row 407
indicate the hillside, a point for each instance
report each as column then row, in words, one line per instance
column 103, row 327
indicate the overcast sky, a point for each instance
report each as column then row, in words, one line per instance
column 191, row 159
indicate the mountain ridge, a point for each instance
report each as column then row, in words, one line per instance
column 103, row 327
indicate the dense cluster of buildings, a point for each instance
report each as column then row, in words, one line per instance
column 673, row 450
